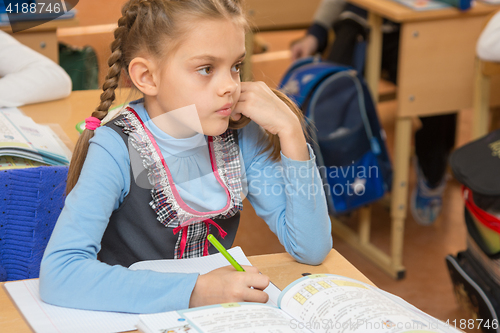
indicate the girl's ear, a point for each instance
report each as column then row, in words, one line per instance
column 142, row 71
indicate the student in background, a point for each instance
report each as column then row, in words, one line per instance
column 153, row 182
column 433, row 141
column 488, row 46
column 316, row 39
column 27, row 76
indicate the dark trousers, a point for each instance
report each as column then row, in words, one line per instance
column 436, row 138
column 433, row 144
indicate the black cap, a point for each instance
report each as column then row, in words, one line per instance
column 477, row 164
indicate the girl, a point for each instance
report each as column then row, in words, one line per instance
column 152, row 183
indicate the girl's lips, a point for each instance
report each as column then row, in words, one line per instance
column 225, row 112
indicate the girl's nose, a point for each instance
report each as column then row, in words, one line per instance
column 228, row 85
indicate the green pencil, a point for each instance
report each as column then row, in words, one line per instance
column 211, row 238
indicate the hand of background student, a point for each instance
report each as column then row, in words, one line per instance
column 226, row 285
column 304, row 47
column 259, row 103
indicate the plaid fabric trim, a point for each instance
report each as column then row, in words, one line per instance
column 196, row 238
column 167, row 209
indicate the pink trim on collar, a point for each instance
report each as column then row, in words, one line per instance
column 176, row 194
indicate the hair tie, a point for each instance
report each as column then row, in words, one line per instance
column 91, row 123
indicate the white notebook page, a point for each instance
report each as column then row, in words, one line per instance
column 46, row 318
column 200, row 265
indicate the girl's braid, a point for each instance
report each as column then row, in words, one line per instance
column 115, row 61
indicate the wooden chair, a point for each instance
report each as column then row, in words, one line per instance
column 483, row 72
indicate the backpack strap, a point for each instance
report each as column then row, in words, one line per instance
column 351, row 74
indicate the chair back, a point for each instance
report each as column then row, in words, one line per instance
column 30, row 203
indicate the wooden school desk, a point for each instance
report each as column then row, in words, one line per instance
column 71, row 110
column 266, row 15
column 435, row 76
column 281, row 268
column 272, row 15
column 43, row 38
column 484, row 74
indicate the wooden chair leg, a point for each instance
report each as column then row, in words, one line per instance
column 400, row 191
column 374, row 54
column 365, row 224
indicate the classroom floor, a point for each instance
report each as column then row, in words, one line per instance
column 427, row 284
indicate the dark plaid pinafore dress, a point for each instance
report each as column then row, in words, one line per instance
column 153, row 222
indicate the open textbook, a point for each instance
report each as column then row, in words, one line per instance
column 22, row 138
column 316, row 303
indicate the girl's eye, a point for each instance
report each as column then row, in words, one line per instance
column 236, row 68
column 205, row 71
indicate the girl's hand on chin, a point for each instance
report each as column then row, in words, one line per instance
column 259, row 103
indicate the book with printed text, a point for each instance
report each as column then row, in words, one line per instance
column 22, row 139
column 315, row 303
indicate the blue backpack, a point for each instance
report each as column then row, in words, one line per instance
column 345, row 132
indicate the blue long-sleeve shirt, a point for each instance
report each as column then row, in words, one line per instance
column 288, row 195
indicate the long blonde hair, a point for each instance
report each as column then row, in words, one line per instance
column 145, row 25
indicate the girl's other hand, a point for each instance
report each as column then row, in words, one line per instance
column 304, row 47
column 259, row 103
column 226, row 285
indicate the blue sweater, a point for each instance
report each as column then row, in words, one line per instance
column 288, row 195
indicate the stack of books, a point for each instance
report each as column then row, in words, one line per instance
column 24, row 143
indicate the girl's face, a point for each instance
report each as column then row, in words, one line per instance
column 203, row 78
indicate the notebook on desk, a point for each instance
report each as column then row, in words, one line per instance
column 46, row 318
